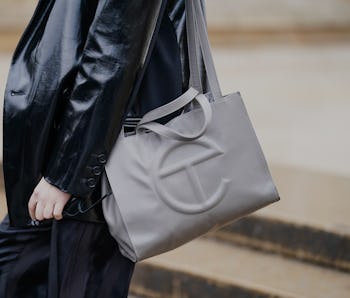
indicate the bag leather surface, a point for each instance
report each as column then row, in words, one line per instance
column 205, row 168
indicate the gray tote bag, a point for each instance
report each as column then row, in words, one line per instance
column 173, row 183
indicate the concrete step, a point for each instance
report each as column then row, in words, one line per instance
column 205, row 268
column 311, row 221
column 302, row 242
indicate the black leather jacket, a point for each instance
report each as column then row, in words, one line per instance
column 79, row 66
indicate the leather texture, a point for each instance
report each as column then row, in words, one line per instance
column 77, row 70
column 205, row 168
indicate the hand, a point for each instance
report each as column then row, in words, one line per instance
column 47, row 201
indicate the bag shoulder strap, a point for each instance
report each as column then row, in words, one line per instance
column 195, row 24
column 198, row 43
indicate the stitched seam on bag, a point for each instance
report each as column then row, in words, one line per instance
column 108, row 185
column 126, row 229
column 261, row 154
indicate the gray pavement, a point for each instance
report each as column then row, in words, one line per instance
column 298, row 97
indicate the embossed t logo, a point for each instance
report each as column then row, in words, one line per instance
column 188, row 164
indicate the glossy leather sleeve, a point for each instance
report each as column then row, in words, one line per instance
column 111, row 61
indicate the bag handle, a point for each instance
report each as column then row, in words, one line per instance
column 173, row 134
column 170, row 107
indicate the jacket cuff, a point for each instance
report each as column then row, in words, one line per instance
column 86, row 180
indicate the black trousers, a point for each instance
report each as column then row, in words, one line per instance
column 68, row 259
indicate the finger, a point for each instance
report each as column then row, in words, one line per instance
column 57, row 211
column 39, row 210
column 48, row 211
column 31, row 206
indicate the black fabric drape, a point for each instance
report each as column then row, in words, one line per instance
column 64, row 260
